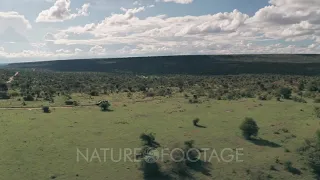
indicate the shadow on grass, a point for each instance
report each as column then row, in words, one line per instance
column 264, row 142
column 151, row 171
column 295, row 171
column 107, row 110
column 201, row 166
column 199, row 126
column 195, row 123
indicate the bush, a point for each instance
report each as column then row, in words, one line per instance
column 29, row 97
column 150, row 93
column 46, row 109
column 164, row 92
column 263, row 97
column 311, row 151
column 298, row 99
column 317, row 100
column 76, row 103
column 194, row 100
column 4, row 95
column 105, row 106
column 129, row 95
column 249, row 128
column 69, row 102
column 94, row 93
column 285, row 92
column 288, row 165
column 149, row 140
column 13, row 93
column 317, row 111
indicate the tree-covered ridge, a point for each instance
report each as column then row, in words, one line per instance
column 192, row 65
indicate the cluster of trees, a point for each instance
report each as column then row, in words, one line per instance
column 47, row 84
column 33, row 85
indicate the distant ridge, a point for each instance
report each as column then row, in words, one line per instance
column 300, row 64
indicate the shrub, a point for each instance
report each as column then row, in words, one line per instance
column 29, row 97
column 129, row 95
column 298, row 99
column 76, row 103
column 249, row 128
column 105, row 106
column 164, row 92
column 317, row 100
column 69, row 102
column 4, row 95
column 262, row 97
column 194, row 100
column 311, row 151
column 288, row 165
column 150, row 93
column 149, row 140
column 94, row 93
column 317, row 111
column 285, row 92
column 246, row 93
column 46, row 109
column 13, row 93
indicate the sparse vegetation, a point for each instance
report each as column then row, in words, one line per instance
column 164, row 104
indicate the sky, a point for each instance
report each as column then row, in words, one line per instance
column 37, row 30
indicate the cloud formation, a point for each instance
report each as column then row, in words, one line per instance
column 177, row 1
column 14, row 20
column 284, row 26
column 61, row 11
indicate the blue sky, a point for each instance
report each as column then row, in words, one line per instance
column 34, row 30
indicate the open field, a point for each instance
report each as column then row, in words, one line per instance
column 35, row 145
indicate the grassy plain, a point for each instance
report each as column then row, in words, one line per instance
column 35, row 145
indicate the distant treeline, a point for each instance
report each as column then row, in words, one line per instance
column 192, row 65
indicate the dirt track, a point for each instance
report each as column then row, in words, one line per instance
column 12, row 77
column 30, row 108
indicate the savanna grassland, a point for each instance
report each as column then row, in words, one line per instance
column 46, row 116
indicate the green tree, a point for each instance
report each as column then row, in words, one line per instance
column 285, row 92
column 249, row 128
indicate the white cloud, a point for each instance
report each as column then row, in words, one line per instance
column 288, row 19
column 14, row 20
column 62, row 51
column 97, row 50
column 77, row 50
column 177, row 1
column 61, row 11
column 35, row 54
